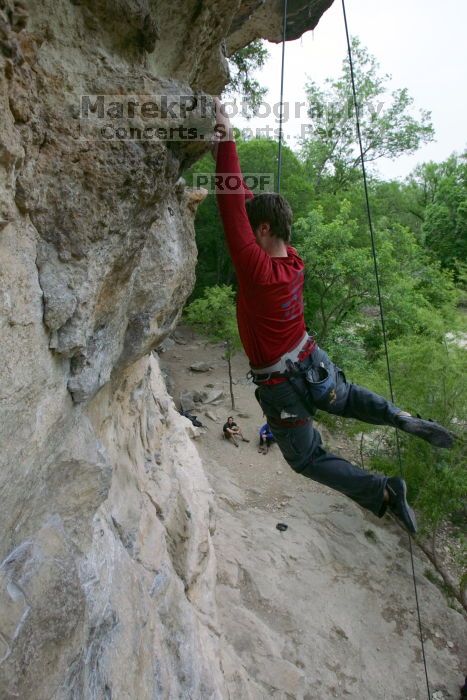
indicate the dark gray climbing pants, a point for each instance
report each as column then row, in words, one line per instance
column 289, row 412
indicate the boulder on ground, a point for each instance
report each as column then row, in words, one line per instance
column 179, row 339
column 187, row 402
column 200, row 367
column 213, row 395
column 167, row 344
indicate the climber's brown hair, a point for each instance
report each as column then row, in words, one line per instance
column 271, row 208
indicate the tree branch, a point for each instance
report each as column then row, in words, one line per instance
column 449, row 580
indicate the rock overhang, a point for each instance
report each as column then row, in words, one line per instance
column 115, row 252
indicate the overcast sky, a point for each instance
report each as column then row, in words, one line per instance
column 421, row 43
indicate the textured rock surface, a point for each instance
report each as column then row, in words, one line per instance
column 110, row 591
column 107, row 574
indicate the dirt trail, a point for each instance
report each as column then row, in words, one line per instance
column 325, row 609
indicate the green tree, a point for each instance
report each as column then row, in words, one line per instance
column 338, row 274
column 259, row 155
column 428, row 377
column 242, row 65
column 213, row 266
column 442, row 194
column 341, row 304
column 214, row 314
column 388, row 128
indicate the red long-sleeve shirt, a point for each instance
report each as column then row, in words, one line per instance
column 270, row 290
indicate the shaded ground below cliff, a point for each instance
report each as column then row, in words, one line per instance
column 325, row 609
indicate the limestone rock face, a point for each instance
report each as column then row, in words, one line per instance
column 110, row 591
column 115, row 247
column 107, row 573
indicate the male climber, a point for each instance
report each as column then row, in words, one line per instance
column 294, row 376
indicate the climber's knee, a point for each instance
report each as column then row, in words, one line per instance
column 297, row 443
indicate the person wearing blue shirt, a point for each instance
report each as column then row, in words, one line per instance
column 266, row 438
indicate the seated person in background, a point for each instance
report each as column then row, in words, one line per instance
column 266, row 438
column 232, row 431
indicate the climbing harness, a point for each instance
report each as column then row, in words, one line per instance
column 375, row 263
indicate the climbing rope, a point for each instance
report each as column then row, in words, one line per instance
column 383, row 324
column 376, row 269
column 279, row 154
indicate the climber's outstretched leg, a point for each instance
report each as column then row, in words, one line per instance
column 301, row 447
column 300, row 444
column 354, row 401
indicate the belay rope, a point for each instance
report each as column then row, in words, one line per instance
column 375, row 263
column 383, row 325
column 279, row 154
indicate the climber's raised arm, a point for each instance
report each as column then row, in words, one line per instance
column 247, row 257
column 223, row 131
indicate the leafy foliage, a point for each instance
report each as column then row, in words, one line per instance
column 429, row 378
column 214, row 266
column 339, row 274
column 242, row 65
column 388, row 128
column 214, row 314
column 442, row 189
column 340, row 289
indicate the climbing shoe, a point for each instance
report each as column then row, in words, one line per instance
column 428, row 430
column 397, row 490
